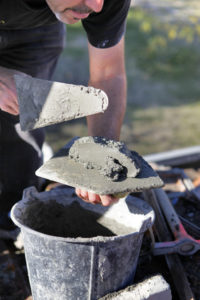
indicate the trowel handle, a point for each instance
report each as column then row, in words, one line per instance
column 120, row 195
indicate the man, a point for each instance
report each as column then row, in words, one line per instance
column 31, row 39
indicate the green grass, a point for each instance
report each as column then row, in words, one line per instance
column 162, row 62
column 163, row 50
column 164, row 128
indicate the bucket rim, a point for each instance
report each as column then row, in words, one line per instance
column 77, row 240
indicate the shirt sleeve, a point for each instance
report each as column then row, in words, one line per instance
column 106, row 28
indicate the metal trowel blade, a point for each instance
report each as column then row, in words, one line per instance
column 43, row 102
column 63, row 169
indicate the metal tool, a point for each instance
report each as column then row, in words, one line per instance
column 190, row 227
column 183, row 244
column 173, row 261
column 91, row 174
column 43, row 102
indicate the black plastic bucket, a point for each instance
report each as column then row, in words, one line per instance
column 84, row 268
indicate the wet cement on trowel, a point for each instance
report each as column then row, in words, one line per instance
column 55, row 219
column 111, row 158
column 101, row 166
column 44, row 102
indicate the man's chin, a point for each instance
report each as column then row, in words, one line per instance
column 73, row 21
column 66, row 20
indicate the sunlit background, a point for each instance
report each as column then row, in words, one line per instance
column 163, row 70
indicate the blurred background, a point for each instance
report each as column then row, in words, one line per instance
column 163, row 70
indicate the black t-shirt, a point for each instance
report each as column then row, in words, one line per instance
column 103, row 29
column 106, row 28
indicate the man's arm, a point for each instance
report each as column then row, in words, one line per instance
column 107, row 72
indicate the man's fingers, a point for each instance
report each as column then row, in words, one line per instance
column 88, row 196
column 13, row 110
column 8, row 98
column 82, row 194
column 14, row 103
column 78, row 192
column 9, row 103
column 107, row 200
column 93, row 198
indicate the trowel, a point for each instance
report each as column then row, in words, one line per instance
column 101, row 166
column 43, row 102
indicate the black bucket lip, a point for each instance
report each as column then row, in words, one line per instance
column 77, row 240
column 32, row 193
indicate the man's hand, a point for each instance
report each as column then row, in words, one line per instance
column 90, row 197
column 8, row 93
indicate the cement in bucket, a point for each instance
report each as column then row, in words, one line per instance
column 87, row 266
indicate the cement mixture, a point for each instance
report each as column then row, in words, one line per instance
column 55, row 219
column 110, row 158
column 43, row 102
column 100, row 165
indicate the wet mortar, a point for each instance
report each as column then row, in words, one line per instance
column 111, row 158
column 44, row 102
column 55, row 219
column 101, row 166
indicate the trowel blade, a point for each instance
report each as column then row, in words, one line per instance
column 42, row 102
column 63, row 169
